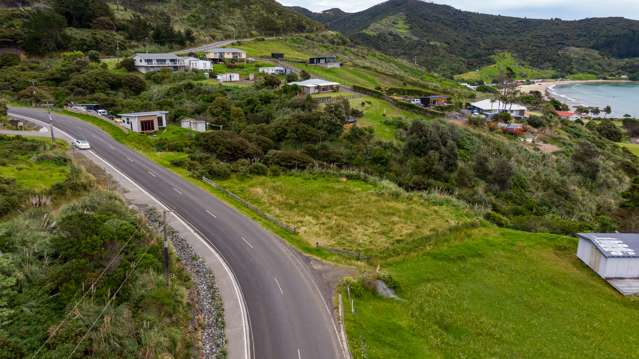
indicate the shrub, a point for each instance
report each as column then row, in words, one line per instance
column 93, row 56
column 8, row 59
column 258, row 169
column 609, row 130
column 127, row 64
column 227, row 146
column 289, row 159
column 497, row 219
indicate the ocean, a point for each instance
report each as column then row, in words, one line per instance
column 623, row 98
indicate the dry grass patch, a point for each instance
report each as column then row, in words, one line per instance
column 350, row 214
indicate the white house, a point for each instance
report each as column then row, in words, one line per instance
column 155, row 62
column 277, row 70
column 228, row 77
column 491, row 108
column 195, row 125
column 614, row 256
column 313, row 86
column 193, row 63
column 226, row 54
column 144, row 122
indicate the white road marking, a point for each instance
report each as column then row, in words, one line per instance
column 299, row 354
column 248, row 244
column 211, row 213
column 177, row 190
column 153, row 174
column 278, row 285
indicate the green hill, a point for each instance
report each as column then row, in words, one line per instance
column 452, row 41
column 504, row 61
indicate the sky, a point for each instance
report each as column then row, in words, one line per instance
column 544, row 9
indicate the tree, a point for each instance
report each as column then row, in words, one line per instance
column 305, row 75
column 271, row 81
column 127, row 64
column 43, row 32
column 82, row 13
column 595, row 111
column 610, row 131
column 292, row 77
column 93, row 56
column 607, row 110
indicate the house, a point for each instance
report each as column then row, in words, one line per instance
column 567, row 115
column 155, row 62
column 195, row 125
column 226, row 54
column 614, row 257
column 314, row 86
column 277, row 56
column 193, row 63
column 144, row 122
column 325, row 61
column 275, row 70
column 228, row 77
column 436, row 100
column 491, row 108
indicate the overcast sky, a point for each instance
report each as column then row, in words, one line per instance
column 565, row 9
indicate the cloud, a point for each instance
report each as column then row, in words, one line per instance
column 565, row 9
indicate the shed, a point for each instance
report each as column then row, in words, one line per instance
column 329, row 61
column 228, row 77
column 195, row 125
column 277, row 55
column 313, row 86
column 614, row 256
column 144, row 122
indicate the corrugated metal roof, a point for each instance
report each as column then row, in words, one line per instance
column 158, row 56
column 492, row 105
column 614, row 245
column 226, row 49
column 314, row 82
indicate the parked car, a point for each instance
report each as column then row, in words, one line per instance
column 82, row 144
column 103, row 112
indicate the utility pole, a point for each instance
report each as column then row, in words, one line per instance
column 166, row 248
column 51, row 124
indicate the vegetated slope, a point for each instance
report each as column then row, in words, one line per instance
column 454, row 41
column 66, row 248
column 45, row 26
column 504, row 62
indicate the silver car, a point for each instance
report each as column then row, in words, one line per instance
column 82, row 144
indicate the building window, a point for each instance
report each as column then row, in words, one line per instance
column 147, row 126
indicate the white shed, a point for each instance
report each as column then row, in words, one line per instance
column 195, row 125
column 614, row 256
column 228, row 77
column 144, row 122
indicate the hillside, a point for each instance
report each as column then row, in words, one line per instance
column 452, row 41
column 44, row 26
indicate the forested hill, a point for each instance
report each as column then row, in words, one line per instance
column 454, row 41
column 42, row 26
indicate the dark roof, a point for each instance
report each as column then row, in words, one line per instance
column 614, row 245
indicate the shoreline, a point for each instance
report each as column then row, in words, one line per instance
column 546, row 86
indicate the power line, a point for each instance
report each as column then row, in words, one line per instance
column 75, row 306
column 133, row 268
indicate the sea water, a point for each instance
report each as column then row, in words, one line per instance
column 623, row 98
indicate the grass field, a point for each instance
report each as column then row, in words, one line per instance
column 634, row 148
column 35, row 173
column 350, row 214
column 494, row 293
column 503, row 61
column 376, row 112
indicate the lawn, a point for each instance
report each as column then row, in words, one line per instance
column 494, row 293
column 348, row 75
column 633, row 147
column 350, row 214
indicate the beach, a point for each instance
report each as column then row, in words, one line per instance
column 546, row 86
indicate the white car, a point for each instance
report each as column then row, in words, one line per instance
column 81, row 144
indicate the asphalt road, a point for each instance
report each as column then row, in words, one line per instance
column 287, row 314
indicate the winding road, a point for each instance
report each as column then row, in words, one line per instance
column 287, row 315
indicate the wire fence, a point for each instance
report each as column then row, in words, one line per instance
column 250, row 206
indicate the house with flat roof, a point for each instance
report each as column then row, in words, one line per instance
column 193, row 63
column 314, row 86
column 156, row 62
column 435, row 100
column 276, row 70
column 226, row 54
column 490, row 108
column 328, row 61
column 144, row 122
column 567, row 115
column 614, row 257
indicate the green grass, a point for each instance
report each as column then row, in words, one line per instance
column 33, row 174
column 633, row 147
column 264, row 49
column 243, row 69
column 376, row 111
column 350, row 214
column 494, row 293
column 503, row 61
column 348, row 75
